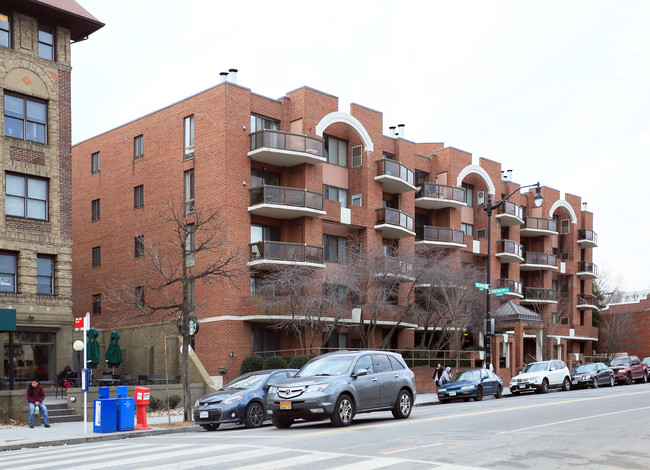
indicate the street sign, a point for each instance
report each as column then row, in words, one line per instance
column 79, row 323
column 481, row 285
column 499, row 292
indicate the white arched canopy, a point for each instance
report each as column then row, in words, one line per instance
column 345, row 118
column 477, row 170
column 562, row 203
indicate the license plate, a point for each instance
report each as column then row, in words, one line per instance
column 285, row 405
column 522, row 386
column 574, row 382
column 204, row 414
column 452, row 394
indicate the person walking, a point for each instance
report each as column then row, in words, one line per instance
column 445, row 377
column 35, row 396
column 437, row 373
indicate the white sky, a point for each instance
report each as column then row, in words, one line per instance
column 557, row 91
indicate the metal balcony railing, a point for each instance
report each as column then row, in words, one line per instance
column 442, row 191
column 439, row 234
column 538, row 223
column 587, row 299
column 545, row 259
column 394, row 217
column 514, row 286
column 540, row 294
column 510, row 247
column 293, row 197
column 283, row 251
column 587, row 267
column 587, row 235
column 393, row 168
column 513, row 209
column 286, row 141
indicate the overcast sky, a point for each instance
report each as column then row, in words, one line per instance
column 557, row 91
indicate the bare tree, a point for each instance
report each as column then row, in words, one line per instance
column 616, row 330
column 608, row 286
column 192, row 246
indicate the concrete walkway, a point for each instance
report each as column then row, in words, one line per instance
column 23, row 437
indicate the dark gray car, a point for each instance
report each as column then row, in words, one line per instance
column 338, row 385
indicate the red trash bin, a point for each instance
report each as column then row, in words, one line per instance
column 141, row 402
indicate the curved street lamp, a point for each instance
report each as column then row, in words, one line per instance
column 489, row 207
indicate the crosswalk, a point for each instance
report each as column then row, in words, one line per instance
column 148, row 456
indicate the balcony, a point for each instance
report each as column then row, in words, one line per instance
column 537, row 227
column 439, row 196
column 394, row 223
column 285, row 149
column 539, row 295
column 587, row 302
column 439, row 237
column 539, row 262
column 509, row 251
column 511, row 214
column 285, row 203
column 587, row 238
column 516, row 289
column 394, row 267
column 270, row 254
column 395, row 177
column 587, row 270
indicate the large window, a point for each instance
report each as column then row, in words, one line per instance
column 7, row 272
column 5, row 30
column 260, row 177
column 25, row 118
column 189, row 137
column 45, row 275
column 469, row 194
column 46, row 41
column 97, row 304
column 189, row 245
column 189, row 191
column 336, row 151
column 138, row 146
column 95, row 209
column 97, row 256
column 336, row 194
column 26, row 197
column 259, row 123
column 138, row 248
column 335, row 248
column 139, row 296
column 467, row 229
column 94, row 162
column 138, row 196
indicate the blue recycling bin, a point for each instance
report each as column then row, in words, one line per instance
column 121, row 391
column 103, row 393
column 125, row 413
column 105, row 416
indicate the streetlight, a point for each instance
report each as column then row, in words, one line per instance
column 489, row 207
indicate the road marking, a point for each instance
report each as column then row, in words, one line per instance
column 217, row 459
column 573, row 420
column 404, row 449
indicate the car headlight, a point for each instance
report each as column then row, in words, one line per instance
column 535, row 379
column 513, row 380
column 586, row 377
column 273, row 389
column 317, row 387
column 231, row 400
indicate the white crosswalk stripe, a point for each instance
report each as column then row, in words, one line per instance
column 302, row 460
column 218, row 459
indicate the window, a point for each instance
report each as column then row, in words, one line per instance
column 138, row 196
column 26, row 197
column 357, row 156
column 97, row 304
column 469, row 194
column 259, row 123
column 421, row 177
column 564, row 226
column 480, row 233
column 189, row 191
column 97, row 256
column 388, row 156
column 7, row 272
column 336, row 151
column 25, row 118
column 5, row 30
column 138, row 243
column 335, row 248
column 139, row 296
column 264, row 233
column 46, row 41
column 336, row 194
column 138, row 146
column 45, row 275
column 391, row 294
column 94, row 162
column 260, row 177
column 564, row 256
column 189, row 245
column 467, row 229
column 334, row 292
column 357, row 200
column 95, row 209
column 189, row 137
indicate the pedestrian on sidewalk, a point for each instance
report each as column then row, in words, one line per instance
column 437, row 373
column 445, row 377
column 35, row 396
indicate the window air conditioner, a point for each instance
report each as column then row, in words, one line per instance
column 480, row 197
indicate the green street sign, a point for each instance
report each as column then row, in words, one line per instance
column 499, row 292
column 481, row 285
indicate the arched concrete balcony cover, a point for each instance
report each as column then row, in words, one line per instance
column 345, row 118
column 477, row 170
column 562, row 203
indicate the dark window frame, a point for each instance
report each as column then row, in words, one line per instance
column 97, row 304
column 12, row 274
column 138, row 246
column 6, row 31
column 46, row 49
column 139, row 296
column 41, row 275
column 138, row 196
column 95, row 209
column 188, row 136
column 327, row 140
column 138, row 146
column 188, row 190
column 94, row 162
column 26, row 199
column 96, row 256
column 23, row 117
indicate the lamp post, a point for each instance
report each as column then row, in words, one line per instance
column 489, row 207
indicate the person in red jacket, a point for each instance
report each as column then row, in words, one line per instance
column 35, row 396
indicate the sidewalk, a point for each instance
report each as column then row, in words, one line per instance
column 23, row 437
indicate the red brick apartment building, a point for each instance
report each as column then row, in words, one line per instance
column 629, row 324
column 239, row 150
column 36, row 160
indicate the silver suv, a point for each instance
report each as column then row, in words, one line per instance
column 338, row 385
column 540, row 376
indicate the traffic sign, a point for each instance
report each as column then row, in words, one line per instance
column 499, row 292
column 481, row 285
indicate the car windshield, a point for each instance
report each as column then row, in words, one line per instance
column 333, row 365
column 246, row 382
column 468, row 375
column 536, row 367
column 581, row 369
column 621, row 361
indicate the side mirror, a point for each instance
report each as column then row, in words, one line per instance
column 485, row 377
column 266, row 387
column 360, row 372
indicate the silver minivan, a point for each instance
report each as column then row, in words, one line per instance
column 338, row 385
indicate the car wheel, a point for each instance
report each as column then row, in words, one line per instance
column 210, row 427
column 479, row 394
column 403, row 405
column 343, row 411
column 544, row 387
column 254, row 415
column 628, row 379
column 645, row 378
column 499, row 391
column 281, row 423
column 566, row 385
column 595, row 383
column 611, row 381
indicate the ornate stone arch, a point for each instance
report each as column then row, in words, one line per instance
column 477, row 170
column 351, row 121
column 24, row 76
column 562, row 203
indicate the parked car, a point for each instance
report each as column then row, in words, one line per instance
column 542, row 376
column 592, row 375
column 646, row 361
column 241, row 401
column 339, row 385
column 471, row 383
column 628, row 369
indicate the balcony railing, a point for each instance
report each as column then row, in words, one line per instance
column 285, row 253
column 539, row 295
column 439, row 196
column 288, row 202
column 396, row 177
column 587, row 270
column 516, row 289
column 587, row 301
column 440, row 235
column 393, row 266
column 539, row 261
column 511, row 214
column 536, row 226
column 587, row 238
column 394, row 223
column 509, row 251
column 285, row 148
